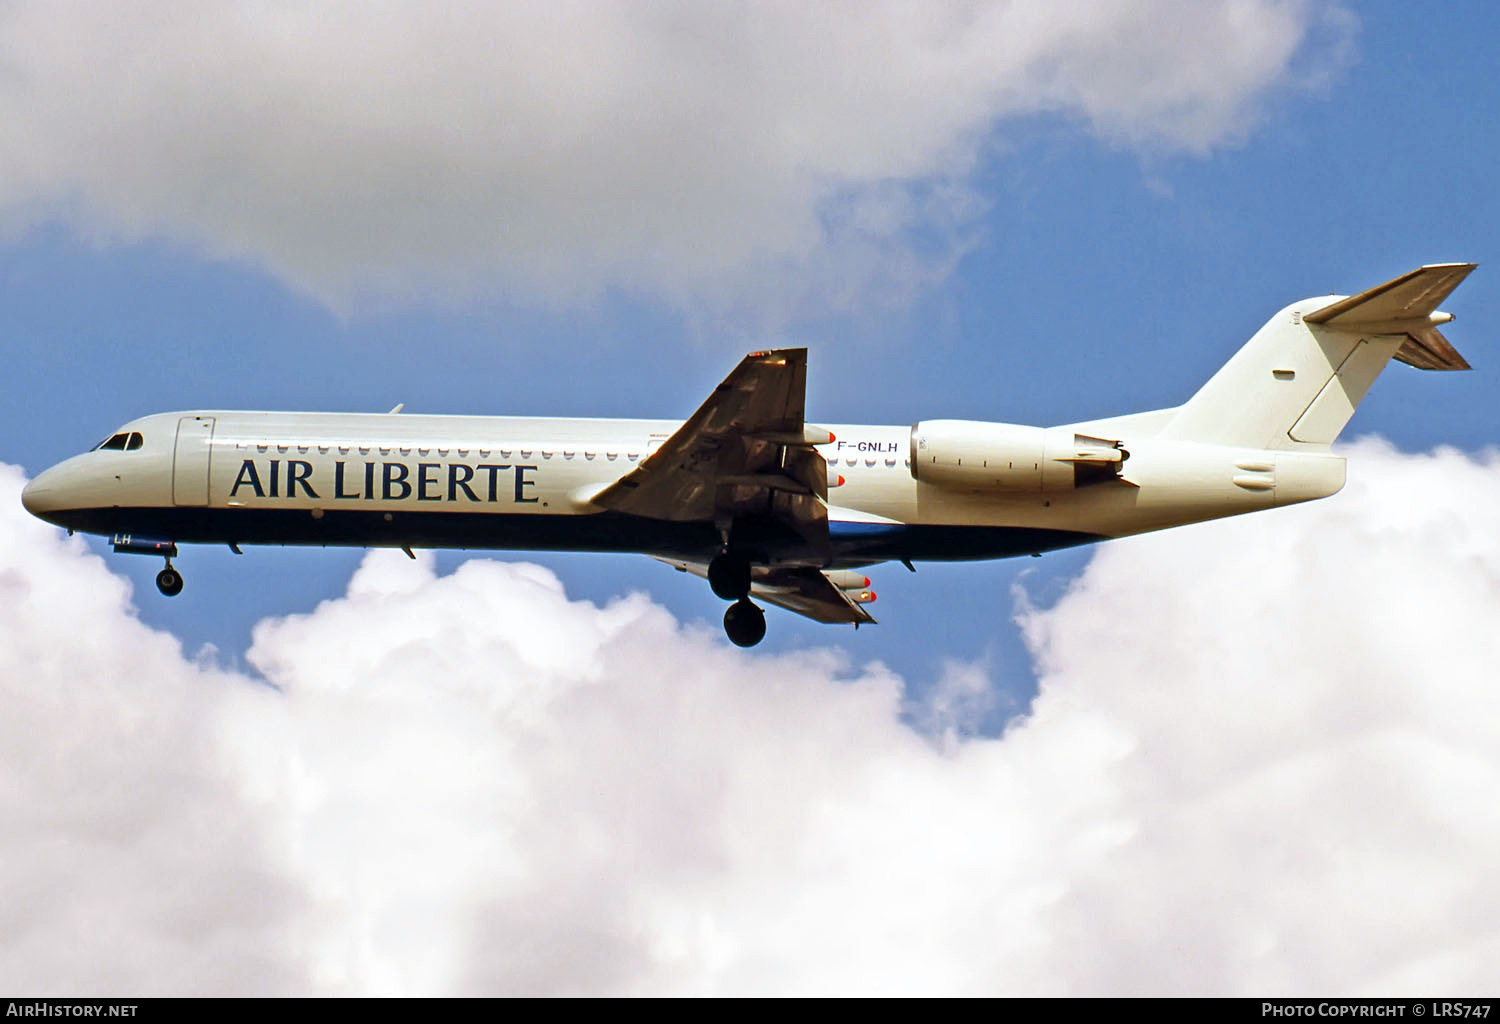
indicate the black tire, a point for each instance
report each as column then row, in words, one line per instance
column 745, row 624
column 729, row 576
column 169, row 582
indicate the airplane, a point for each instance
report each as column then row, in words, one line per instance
column 745, row 492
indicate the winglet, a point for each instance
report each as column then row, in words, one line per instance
column 1404, row 305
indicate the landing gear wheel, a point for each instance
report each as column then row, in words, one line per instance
column 745, row 624
column 169, row 582
column 729, row 576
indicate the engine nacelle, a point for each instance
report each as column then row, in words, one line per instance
column 971, row 455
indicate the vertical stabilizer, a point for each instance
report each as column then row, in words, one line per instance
column 1297, row 382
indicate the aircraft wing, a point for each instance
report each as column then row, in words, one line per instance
column 745, row 453
column 804, row 590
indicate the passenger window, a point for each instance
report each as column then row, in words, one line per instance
column 136, row 440
column 114, row 444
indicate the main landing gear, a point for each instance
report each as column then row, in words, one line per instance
column 745, row 623
column 169, row 581
column 729, row 577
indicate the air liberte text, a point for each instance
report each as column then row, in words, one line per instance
column 387, row 481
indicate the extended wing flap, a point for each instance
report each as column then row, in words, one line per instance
column 809, row 593
column 804, row 590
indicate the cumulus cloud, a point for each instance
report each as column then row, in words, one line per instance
column 1261, row 760
column 129, row 861
column 761, row 154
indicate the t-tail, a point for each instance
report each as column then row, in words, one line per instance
column 1296, row 383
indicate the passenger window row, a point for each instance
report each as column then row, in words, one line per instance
column 406, row 451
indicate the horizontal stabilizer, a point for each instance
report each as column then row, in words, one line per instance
column 1413, row 296
column 1429, row 350
column 1405, row 305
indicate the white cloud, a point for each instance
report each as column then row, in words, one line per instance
column 1261, row 761
column 129, row 863
column 763, row 155
column 1313, row 720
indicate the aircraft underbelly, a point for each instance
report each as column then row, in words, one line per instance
column 852, row 543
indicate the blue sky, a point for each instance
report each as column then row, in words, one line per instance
column 1102, row 277
column 1077, row 213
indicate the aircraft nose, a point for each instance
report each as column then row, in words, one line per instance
column 53, row 492
column 66, row 494
column 37, row 497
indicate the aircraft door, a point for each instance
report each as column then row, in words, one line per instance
column 191, row 462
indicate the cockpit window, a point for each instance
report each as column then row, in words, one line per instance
column 122, row 442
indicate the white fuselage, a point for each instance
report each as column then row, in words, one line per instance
column 524, row 483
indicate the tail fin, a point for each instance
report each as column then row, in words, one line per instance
column 1297, row 381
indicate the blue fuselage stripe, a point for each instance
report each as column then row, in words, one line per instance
column 851, row 543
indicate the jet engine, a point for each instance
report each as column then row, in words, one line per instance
column 969, row 455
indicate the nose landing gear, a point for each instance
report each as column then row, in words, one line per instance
column 169, row 581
